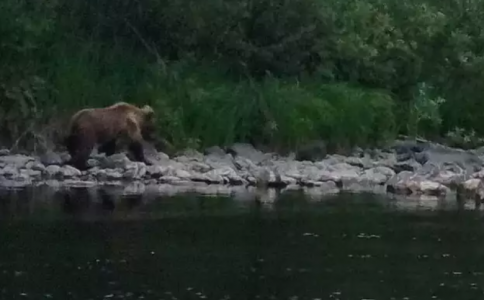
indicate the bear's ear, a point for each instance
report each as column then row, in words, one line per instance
column 148, row 111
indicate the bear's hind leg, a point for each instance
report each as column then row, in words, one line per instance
column 81, row 154
column 79, row 161
column 71, row 144
column 108, row 148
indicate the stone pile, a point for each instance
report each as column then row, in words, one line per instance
column 408, row 168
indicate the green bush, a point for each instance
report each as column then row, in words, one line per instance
column 203, row 107
column 273, row 72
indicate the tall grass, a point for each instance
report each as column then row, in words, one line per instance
column 92, row 74
column 205, row 66
column 199, row 104
column 202, row 106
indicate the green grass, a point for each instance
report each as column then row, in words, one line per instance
column 428, row 54
column 199, row 105
column 204, row 107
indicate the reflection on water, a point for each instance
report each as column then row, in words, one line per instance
column 95, row 244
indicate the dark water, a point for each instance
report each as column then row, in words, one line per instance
column 194, row 247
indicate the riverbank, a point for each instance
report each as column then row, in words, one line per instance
column 408, row 168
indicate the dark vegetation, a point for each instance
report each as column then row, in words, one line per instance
column 271, row 72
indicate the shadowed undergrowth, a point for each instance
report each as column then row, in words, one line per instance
column 274, row 73
column 201, row 105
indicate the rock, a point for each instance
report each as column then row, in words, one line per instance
column 471, row 189
column 223, row 175
column 247, row 151
column 17, row 161
column 156, row 171
column 361, row 185
column 53, row 183
column 313, row 151
column 199, row 167
column 93, row 163
column 9, row 171
column 378, row 175
column 404, row 156
column 290, row 170
column 235, row 179
column 426, row 169
column 12, row 184
column 267, row 177
column 65, row 156
column 421, row 157
column 50, row 158
column 429, row 170
column 198, row 177
column 35, row 174
column 173, row 180
column 99, row 174
column 338, row 172
column 153, row 155
column 114, row 183
column 332, row 160
column 427, row 187
column 113, row 174
column 409, row 146
column 117, row 160
column 472, row 184
column 360, row 162
column 217, row 162
column 182, row 174
column 286, row 181
column 424, row 151
column 242, row 163
column 35, row 165
column 440, row 155
column 189, row 155
column 53, row 171
column 408, row 165
column 22, row 175
column 387, row 160
column 388, row 172
column 342, row 166
column 134, row 188
column 262, row 177
column 214, row 177
column 4, row 152
column 449, row 178
column 478, row 151
column 479, row 174
column 135, row 170
column 79, row 183
column 407, row 183
column 357, row 152
column 329, row 187
column 69, row 171
column 398, row 183
column 214, row 150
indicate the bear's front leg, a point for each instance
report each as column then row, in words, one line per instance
column 136, row 148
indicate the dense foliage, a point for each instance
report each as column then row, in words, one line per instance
column 273, row 72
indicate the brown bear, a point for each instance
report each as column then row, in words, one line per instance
column 105, row 127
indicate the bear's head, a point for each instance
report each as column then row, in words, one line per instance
column 148, row 126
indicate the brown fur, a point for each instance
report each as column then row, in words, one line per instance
column 105, row 127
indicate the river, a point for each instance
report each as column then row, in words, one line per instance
column 217, row 247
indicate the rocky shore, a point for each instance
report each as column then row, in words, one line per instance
column 406, row 168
